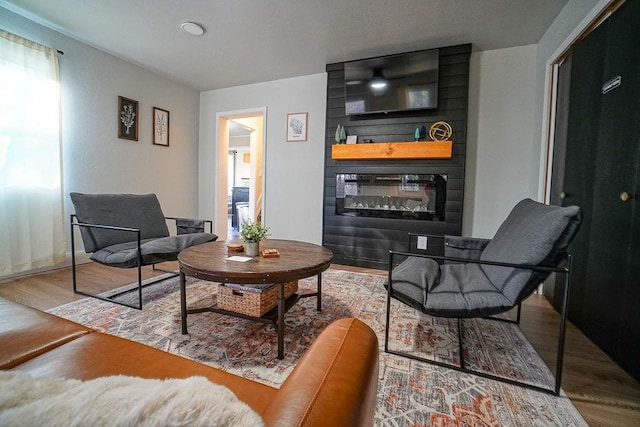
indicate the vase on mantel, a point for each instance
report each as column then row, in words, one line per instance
column 252, row 248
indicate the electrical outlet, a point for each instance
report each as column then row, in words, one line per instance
column 422, row 242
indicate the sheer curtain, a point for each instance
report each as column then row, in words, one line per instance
column 31, row 212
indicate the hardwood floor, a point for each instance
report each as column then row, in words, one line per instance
column 603, row 393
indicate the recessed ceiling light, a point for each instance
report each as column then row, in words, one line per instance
column 192, row 28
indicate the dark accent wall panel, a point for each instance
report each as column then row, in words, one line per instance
column 365, row 242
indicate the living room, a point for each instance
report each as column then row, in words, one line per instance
column 506, row 152
column 505, row 78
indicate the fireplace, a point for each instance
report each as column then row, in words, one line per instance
column 375, row 204
column 406, row 196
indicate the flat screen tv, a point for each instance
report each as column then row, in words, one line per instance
column 403, row 82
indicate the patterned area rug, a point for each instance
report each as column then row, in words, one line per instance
column 410, row 393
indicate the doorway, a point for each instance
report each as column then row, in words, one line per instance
column 240, row 181
column 238, row 177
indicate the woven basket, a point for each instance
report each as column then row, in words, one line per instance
column 252, row 303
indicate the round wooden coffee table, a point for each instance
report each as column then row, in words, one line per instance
column 297, row 260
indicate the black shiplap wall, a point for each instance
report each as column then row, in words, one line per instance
column 365, row 242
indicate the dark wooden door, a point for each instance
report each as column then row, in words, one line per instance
column 610, row 287
column 598, row 153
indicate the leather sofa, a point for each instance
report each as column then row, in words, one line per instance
column 334, row 383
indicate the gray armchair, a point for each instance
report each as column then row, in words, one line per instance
column 129, row 231
column 480, row 277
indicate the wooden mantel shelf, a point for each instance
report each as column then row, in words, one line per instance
column 393, row 150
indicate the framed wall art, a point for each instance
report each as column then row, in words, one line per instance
column 297, row 127
column 127, row 118
column 160, row 126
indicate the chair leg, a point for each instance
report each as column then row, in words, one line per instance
column 73, row 256
column 111, row 298
column 563, row 323
column 466, row 370
column 566, row 270
column 386, row 328
column 139, row 276
column 561, row 342
column 460, row 346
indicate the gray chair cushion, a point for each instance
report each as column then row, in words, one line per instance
column 532, row 233
column 124, row 255
column 450, row 290
column 413, row 278
column 464, row 291
column 123, row 210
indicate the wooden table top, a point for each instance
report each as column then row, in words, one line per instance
column 297, row 260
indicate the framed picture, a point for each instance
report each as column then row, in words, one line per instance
column 297, row 127
column 127, row 118
column 352, row 139
column 160, row 126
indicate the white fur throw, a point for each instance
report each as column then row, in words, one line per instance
column 119, row 401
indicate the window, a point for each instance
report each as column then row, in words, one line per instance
column 31, row 211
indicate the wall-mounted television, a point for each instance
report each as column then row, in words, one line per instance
column 403, row 82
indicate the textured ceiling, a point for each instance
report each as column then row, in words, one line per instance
column 249, row 41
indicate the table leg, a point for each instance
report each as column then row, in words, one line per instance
column 319, row 300
column 281, row 320
column 183, row 302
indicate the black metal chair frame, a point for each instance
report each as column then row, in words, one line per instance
column 565, row 269
column 74, row 223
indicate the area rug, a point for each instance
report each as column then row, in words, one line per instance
column 410, row 393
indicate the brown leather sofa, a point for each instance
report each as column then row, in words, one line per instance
column 333, row 384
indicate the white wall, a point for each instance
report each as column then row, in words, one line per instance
column 500, row 124
column 94, row 159
column 294, row 171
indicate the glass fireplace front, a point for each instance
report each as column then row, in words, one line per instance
column 406, row 196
